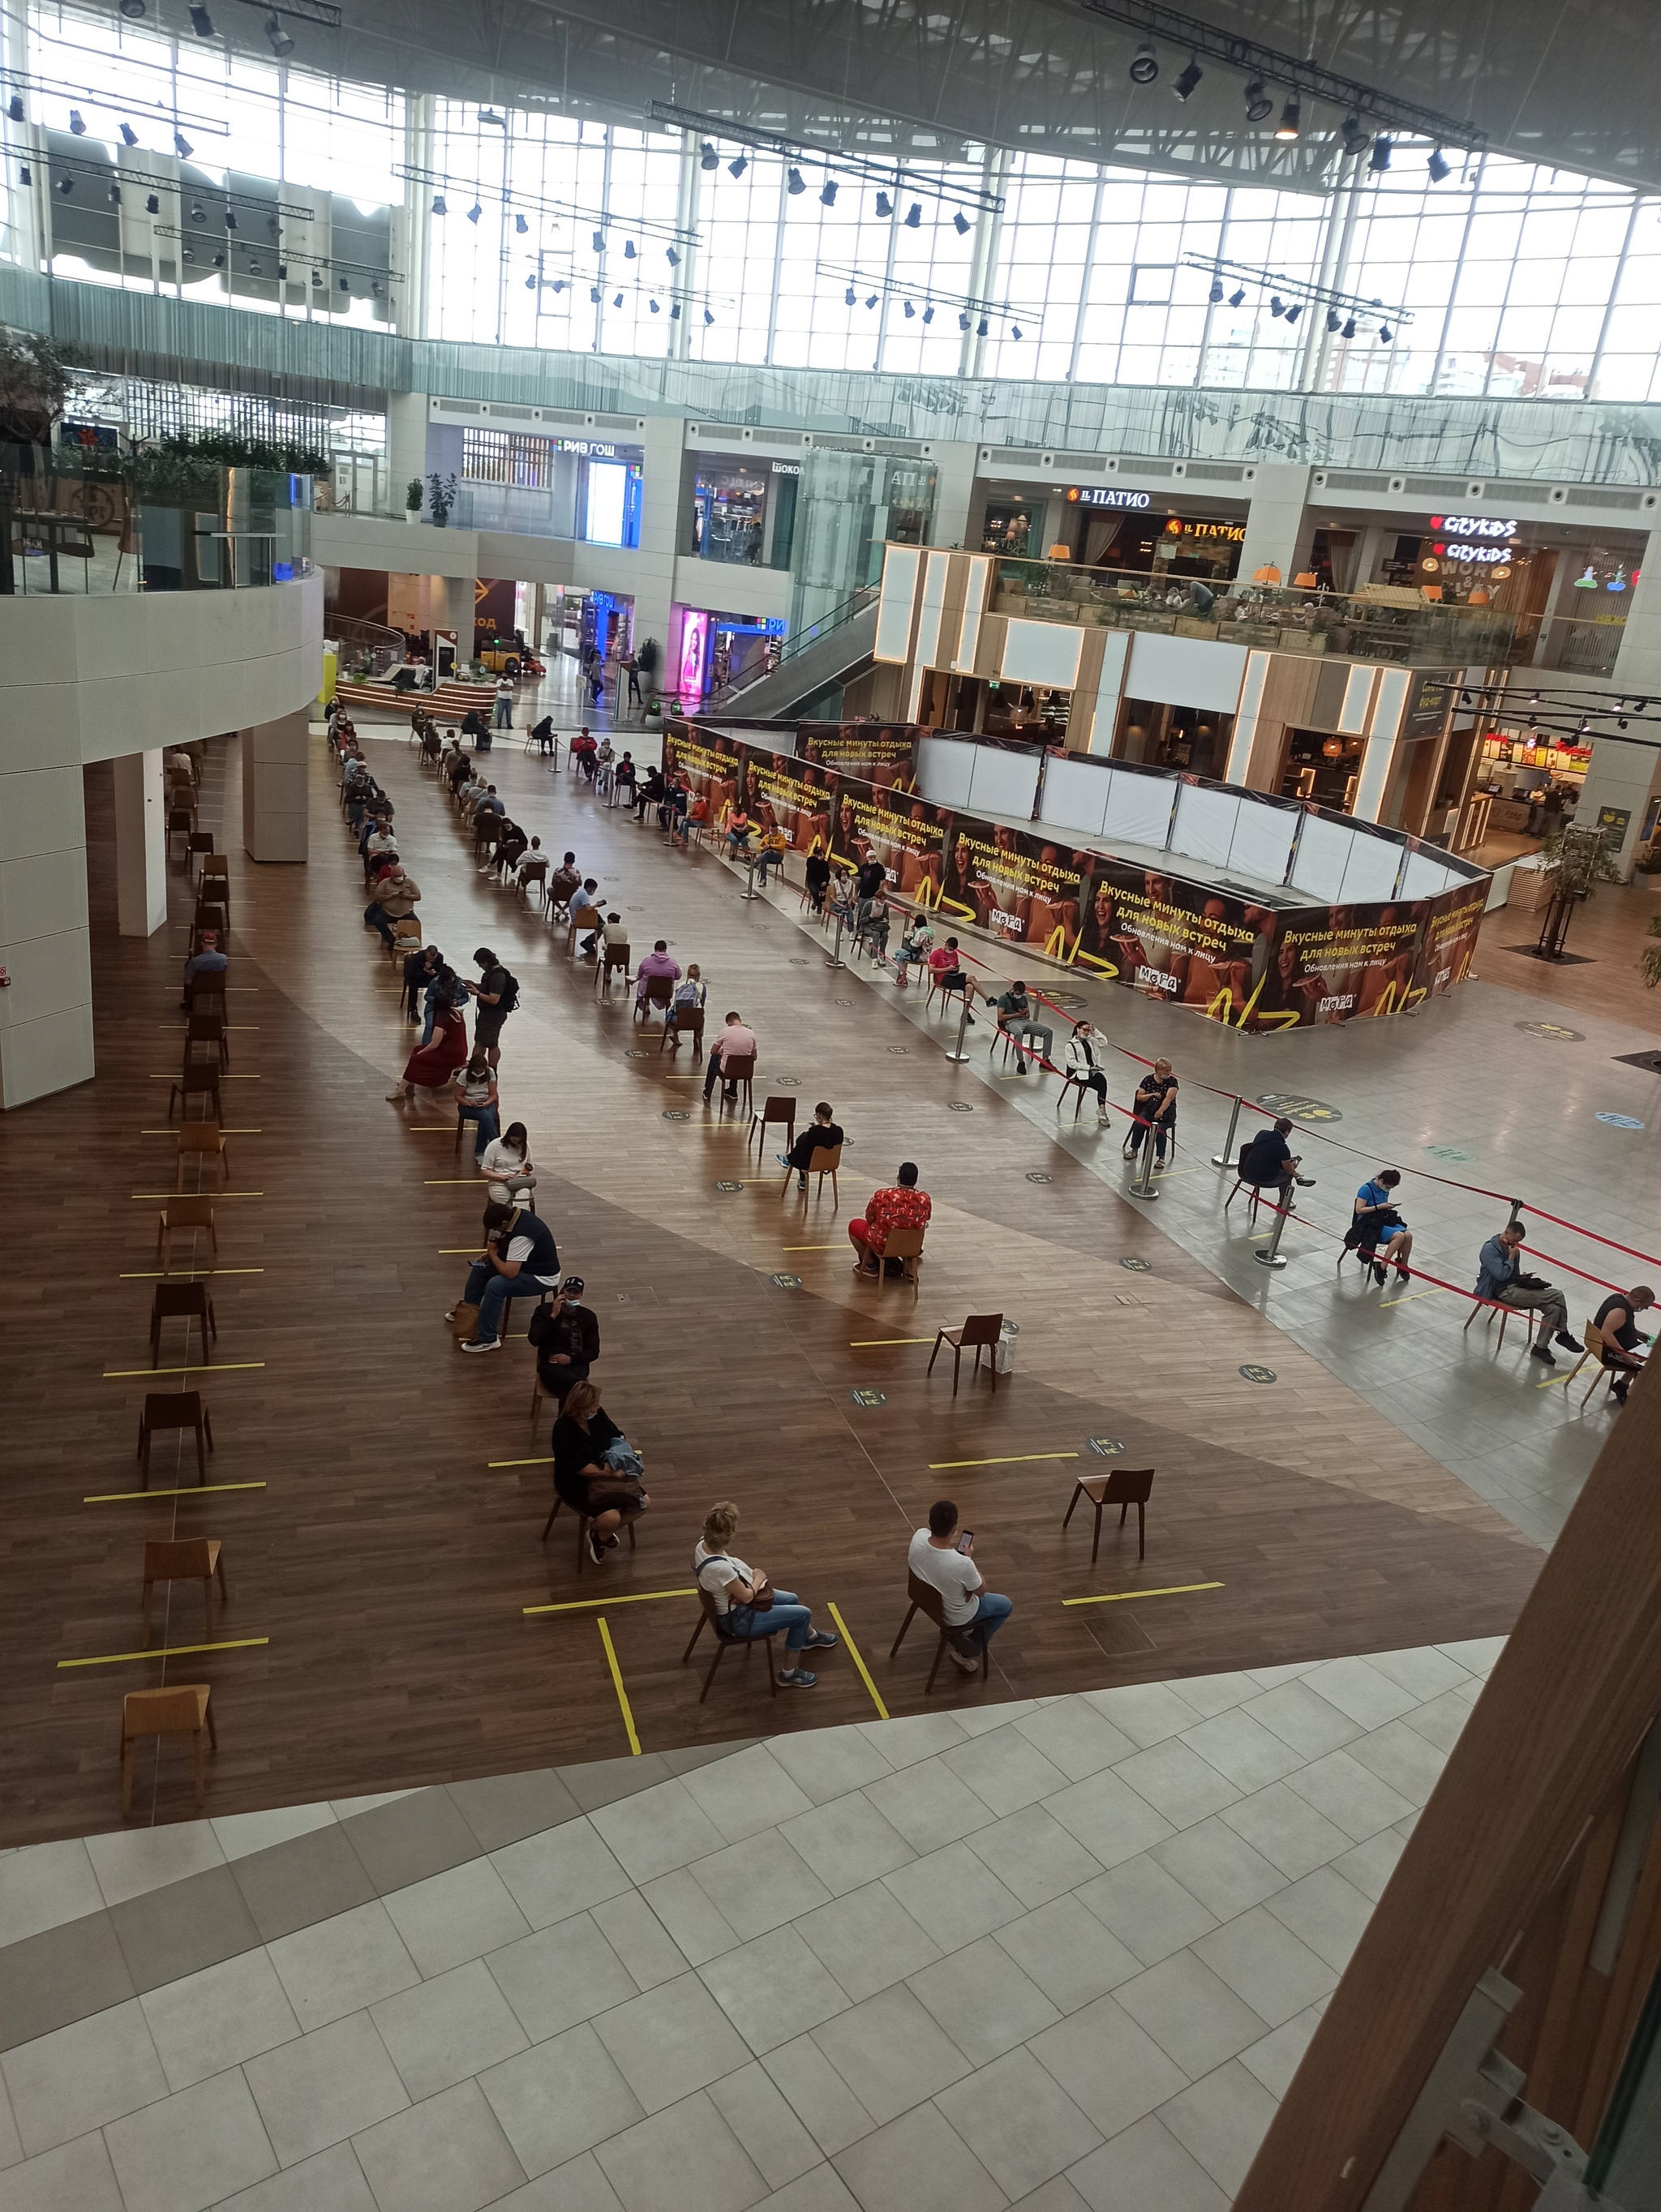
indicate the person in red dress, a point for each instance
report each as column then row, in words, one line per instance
column 430, row 1067
column 902, row 1206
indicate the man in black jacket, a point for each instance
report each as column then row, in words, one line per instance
column 1269, row 1161
column 567, row 1338
column 822, row 1135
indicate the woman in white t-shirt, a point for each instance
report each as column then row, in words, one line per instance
column 733, row 1587
column 474, row 1087
column 505, row 1164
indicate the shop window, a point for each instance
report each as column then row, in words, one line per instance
column 505, row 456
column 729, row 515
column 1320, row 767
column 1012, row 526
column 1192, row 739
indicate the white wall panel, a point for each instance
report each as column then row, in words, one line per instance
column 1262, row 842
column 1206, row 823
column 1074, row 797
column 1186, row 672
column 1370, row 871
column 1003, row 783
column 1323, row 851
column 1042, row 652
column 1138, row 810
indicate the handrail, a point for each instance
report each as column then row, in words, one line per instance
column 854, row 604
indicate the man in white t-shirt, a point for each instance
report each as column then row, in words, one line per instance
column 941, row 1555
column 734, row 1586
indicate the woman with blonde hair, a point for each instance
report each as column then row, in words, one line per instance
column 745, row 1603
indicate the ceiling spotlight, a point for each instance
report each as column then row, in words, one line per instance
column 182, row 146
column 202, row 23
column 1258, row 105
column 1216, row 292
column 1238, row 299
column 439, row 207
column 737, row 167
column 558, row 285
column 1295, row 311
column 282, row 272
column 115, row 195
column 795, row 184
column 963, row 322
column 1348, row 330
column 345, row 283
column 885, row 205
column 129, row 136
column 317, row 280
column 1277, row 305
column 849, row 297
column 1290, row 119
column 521, row 225
column 708, row 158
column 928, row 312
column 593, row 294
column 1384, row 333
column 152, row 203
column 14, row 107
column 707, row 318
column 1354, row 134
column 230, row 219
column 1584, row 730
column 599, row 241
column 1438, row 165
column 1380, row 161
column 654, row 306
column 219, row 263
column 77, row 123
column 277, row 39
column 872, row 301
column 197, row 213
column 629, row 253
column 132, row 10
column 1185, row 84
column 530, row 283
column 66, row 186
column 474, row 212
column 1144, row 66
column 617, row 303
column 672, row 257
column 1014, row 330
column 910, row 311
column 960, row 223
column 1334, row 318
column 980, row 328
column 674, row 311
column 914, row 216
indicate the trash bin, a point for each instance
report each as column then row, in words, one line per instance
column 1003, row 1352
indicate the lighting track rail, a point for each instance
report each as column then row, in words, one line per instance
column 512, row 203
column 862, row 167
column 1297, row 287
column 110, row 172
column 968, row 308
column 16, row 81
column 321, row 13
column 1566, row 712
column 1382, row 109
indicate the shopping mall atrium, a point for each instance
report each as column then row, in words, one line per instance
column 1059, row 598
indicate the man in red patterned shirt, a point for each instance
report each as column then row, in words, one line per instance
column 903, row 1205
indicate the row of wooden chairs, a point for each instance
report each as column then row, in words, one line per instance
column 1592, row 1340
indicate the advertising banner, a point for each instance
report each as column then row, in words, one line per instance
column 713, row 766
column 780, row 792
column 1025, row 889
column 1448, row 938
column 1172, row 940
column 880, row 753
column 1336, row 964
column 908, row 835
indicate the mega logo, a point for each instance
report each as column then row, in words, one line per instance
column 1338, row 1005
column 1157, row 978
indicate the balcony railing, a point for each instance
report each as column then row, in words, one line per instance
column 213, row 529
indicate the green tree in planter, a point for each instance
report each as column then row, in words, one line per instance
column 34, row 382
column 441, row 498
column 412, row 495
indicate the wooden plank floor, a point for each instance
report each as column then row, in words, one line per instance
column 388, row 1561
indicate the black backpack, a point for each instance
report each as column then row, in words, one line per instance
column 508, row 999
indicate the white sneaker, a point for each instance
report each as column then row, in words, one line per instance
column 495, row 1345
column 451, row 1315
column 958, row 1658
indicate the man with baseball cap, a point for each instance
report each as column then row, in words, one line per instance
column 567, row 1338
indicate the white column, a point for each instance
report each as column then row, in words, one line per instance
column 1275, row 519
column 406, row 442
column 46, row 1002
column 1627, row 776
column 663, row 442
column 955, row 464
column 141, row 843
column 275, row 771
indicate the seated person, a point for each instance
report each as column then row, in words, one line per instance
column 396, row 898
column 737, row 1041
column 625, row 776
column 511, row 847
column 506, row 1168
column 901, row 1205
column 1084, row 1068
column 971, row 1613
column 1500, row 1277
column 206, row 960
column 1155, row 1108
column 818, row 875
column 1268, row 1161
column 586, row 1479
column 658, row 962
column 650, row 794
column 474, row 725
column 566, row 1335
column 872, row 919
column 686, row 1009
column 821, row 1135
column 565, row 879
column 915, row 946
column 542, row 734
column 771, row 853
column 745, row 1603
column 476, row 1097
column 1015, row 1020
column 1375, row 1220
column 585, row 912
column 1617, row 1327
column 521, row 1261
column 945, row 967
column 738, row 826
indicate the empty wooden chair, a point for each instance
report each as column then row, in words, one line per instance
column 205, row 993
column 740, row 1074
column 181, row 1711
column 166, row 1410
column 202, row 1140
column 199, row 1560
column 206, row 1030
column 197, row 1088
column 198, row 844
column 826, row 1159
column 1125, row 1488
column 184, row 1212
column 779, row 1108
column 210, row 913
column 724, row 1642
column 616, row 962
column 980, row 1330
column 657, row 998
column 581, row 1520
column 186, row 1302
column 928, row 1600
column 216, row 872
column 181, row 820
column 905, row 1245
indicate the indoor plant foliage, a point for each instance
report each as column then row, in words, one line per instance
column 441, row 498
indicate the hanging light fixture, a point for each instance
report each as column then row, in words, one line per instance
column 1354, row 134
column 674, row 311
column 152, row 203
column 1144, row 65
column 872, row 301
column 708, row 158
column 439, row 207
column 1438, row 165
column 1258, row 105
column 14, row 107
column 963, row 322
column 980, row 328
column 520, row 225
column 1237, row 298
column 593, row 294
column 200, row 23
column 654, row 306
column 885, row 206
column 737, row 167
column 1295, row 311
column 1291, row 122
column 928, row 312
column 133, row 10
column 530, row 283
column 617, row 303
column 960, row 223
column 910, row 311
column 66, row 186
column 1384, row 334
column 707, row 318
column 182, row 146
column 1216, row 292
column 1183, row 86
column 599, row 241
column 1348, row 330
column 1380, row 161
column 474, row 212
column 1014, row 330
column 849, row 297
column 1277, row 305
column 629, row 253
column 1333, row 319
column 672, row 257
column 77, row 123
column 129, row 136
column 115, row 195
column 914, row 216
column 277, row 39
column 230, row 219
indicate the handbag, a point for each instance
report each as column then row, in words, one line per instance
column 465, row 1325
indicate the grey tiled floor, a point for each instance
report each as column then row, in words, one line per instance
column 1063, row 1954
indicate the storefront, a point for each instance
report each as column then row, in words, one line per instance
column 1322, row 767
column 1188, row 737
column 1013, row 527
column 742, row 512
column 586, row 489
column 987, row 706
column 1161, row 545
column 711, row 653
column 1521, row 771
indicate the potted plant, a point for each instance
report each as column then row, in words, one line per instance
column 441, row 498
column 648, row 658
column 412, row 500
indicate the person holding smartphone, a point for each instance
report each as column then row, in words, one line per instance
column 942, row 1554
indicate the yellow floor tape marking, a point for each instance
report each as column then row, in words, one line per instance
column 588, row 1604
column 185, row 1490
column 869, row 1343
column 165, row 1651
column 223, row 1367
column 616, row 1679
column 519, row 1462
column 883, row 1712
column 151, row 1274
column 1408, row 1299
column 1118, row 1597
column 1013, row 1459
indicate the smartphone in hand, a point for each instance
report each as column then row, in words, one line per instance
column 966, row 1541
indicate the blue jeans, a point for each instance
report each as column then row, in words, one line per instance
column 769, row 859
column 504, row 717
column 991, row 1616
column 375, row 915
column 785, row 1613
column 486, row 1118
column 489, row 1292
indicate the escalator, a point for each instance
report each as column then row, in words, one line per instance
column 825, row 657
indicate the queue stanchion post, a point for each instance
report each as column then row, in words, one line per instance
column 836, row 959
column 1516, row 1206
column 1273, row 1257
column 750, row 890
column 958, row 1052
column 1225, row 1158
column 1144, row 1189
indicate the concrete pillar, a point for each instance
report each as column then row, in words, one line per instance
column 460, row 599
column 141, row 843
column 45, row 1000
column 1622, row 774
column 664, row 443
column 406, row 442
column 955, row 463
column 1275, row 528
column 275, row 770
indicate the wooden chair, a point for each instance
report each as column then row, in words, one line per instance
column 741, row 1073
column 905, row 1245
column 197, row 1561
column 406, row 939
column 583, row 921
column 826, row 1161
column 166, row 1410
column 1592, row 1337
column 684, row 1021
column 724, row 1642
column 1488, row 1308
column 1125, row 1488
column 982, row 1330
column 184, row 1213
column 181, row 822
column 197, row 1088
column 217, row 871
column 928, row 1600
column 778, row 1108
column 202, row 1140
column 582, row 1520
column 209, row 1029
column 486, row 836
column 532, row 872
column 186, row 1302
column 660, row 996
column 205, row 994
column 210, row 913
column 617, row 961
column 181, row 1711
